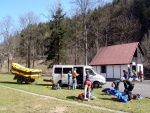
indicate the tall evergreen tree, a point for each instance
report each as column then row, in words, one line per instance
column 57, row 40
column 141, row 11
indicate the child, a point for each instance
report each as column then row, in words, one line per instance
column 134, row 76
column 69, row 79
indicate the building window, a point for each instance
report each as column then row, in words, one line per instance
column 103, row 69
column 135, row 54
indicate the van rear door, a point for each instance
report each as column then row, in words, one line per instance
column 80, row 76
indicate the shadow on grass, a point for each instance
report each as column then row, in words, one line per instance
column 104, row 94
column 111, row 99
column 44, row 84
column 72, row 97
column 8, row 82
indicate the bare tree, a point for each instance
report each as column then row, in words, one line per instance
column 146, row 47
column 6, row 30
column 84, row 6
column 26, row 22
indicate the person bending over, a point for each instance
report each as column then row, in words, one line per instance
column 87, row 86
column 128, row 85
column 116, row 84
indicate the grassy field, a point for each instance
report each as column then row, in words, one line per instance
column 14, row 101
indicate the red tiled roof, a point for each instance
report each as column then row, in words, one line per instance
column 116, row 54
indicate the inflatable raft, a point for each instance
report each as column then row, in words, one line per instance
column 23, row 74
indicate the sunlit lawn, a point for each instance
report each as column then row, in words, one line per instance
column 39, row 87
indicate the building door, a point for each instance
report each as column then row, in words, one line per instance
column 134, row 68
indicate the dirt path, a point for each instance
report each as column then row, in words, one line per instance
column 72, row 102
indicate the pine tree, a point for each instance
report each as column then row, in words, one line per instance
column 57, row 40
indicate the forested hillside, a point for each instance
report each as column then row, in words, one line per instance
column 76, row 39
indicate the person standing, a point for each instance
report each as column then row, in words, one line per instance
column 141, row 76
column 125, row 74
column 128, row 85
column 69, row 79
column 74, row 75
column 134, row 76
column 87, row 86
column 129, row 73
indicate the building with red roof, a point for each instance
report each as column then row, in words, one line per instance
column 110, row 61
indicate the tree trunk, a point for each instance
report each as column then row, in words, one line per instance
column 28, row 53
column 8, row 64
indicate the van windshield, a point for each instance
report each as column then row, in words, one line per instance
column 91, row 72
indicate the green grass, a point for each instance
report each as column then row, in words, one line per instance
column 17, row 102
column 39, row 87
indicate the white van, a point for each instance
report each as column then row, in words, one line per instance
column 60, row 74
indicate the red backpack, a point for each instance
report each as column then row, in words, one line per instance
column 81, row 96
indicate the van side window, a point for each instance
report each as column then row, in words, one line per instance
column 66, row 70
column 58, row 70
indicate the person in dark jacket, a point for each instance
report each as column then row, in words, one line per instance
column 116, row 84
column 128, row 85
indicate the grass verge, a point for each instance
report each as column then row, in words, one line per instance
column 39, row 87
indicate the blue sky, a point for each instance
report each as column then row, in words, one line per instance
column 16, row 8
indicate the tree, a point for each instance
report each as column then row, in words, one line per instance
column 84, row 6
column 57, row 40
column 7, row 32
column 146, row 47
column 142, row 13
column 27, row 23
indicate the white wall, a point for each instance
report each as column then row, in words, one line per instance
column 117, row 71
column 109, row 71
column 138, row 67
column 112, row 71
column 97, row 69
column 123, row 67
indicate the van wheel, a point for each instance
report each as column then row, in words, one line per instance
column 96, row 84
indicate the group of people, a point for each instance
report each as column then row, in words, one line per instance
column 87, row 82
column 128, row 85
column 72, row 75
column 135, row 75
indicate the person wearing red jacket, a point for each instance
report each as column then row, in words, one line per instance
column 141, row 75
